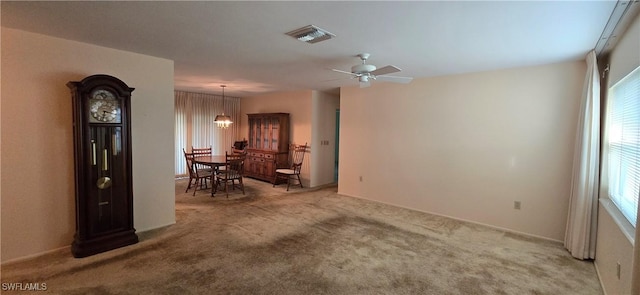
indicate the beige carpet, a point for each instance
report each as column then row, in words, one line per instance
column 312, row 242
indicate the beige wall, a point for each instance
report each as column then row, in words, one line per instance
column 37, row 187
column 323, row 133
column 467, row 146
column 297, row 104
column 613, row 246
column 625, row 57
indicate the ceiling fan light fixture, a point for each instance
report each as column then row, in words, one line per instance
column 311, row 34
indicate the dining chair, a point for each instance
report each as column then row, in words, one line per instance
column 197, row 177
column 293, row 170
column 188, row 157
column 239, row 147
column 234, row 169
column 202, row 152
column 236, row 151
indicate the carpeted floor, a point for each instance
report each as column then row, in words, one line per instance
column 312, row 242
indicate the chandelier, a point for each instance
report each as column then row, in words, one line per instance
column 223, row 121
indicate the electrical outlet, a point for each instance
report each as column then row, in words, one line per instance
column 516, row 205
column 618, row 270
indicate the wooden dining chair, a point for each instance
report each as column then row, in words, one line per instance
column 202, row 152
column 234, row 169
column 188, row 157
column 197, row 177
column 293, row 170
column 239, row 145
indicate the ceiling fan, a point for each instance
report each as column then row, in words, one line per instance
column 366, row 72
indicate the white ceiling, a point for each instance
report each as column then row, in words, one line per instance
column 243, row 44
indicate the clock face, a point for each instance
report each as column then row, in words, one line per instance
column 104, row 107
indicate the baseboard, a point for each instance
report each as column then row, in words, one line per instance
column 68, row 248
column 326, row 185
column 36, row 255
column 156, row 227
column 604, row 291
column 456, row 218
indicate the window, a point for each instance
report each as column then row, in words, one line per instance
column 194, row 124
column 623, row 144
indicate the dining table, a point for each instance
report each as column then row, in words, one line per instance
column 213, row 161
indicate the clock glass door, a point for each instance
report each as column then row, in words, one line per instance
column 108, row 179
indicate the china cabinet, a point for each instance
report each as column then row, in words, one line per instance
column 268, row 145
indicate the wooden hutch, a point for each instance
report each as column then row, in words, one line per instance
column 268, row 143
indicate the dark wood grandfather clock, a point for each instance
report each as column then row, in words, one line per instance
column 102, row 146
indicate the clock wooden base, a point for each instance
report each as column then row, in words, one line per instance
column 83, row 248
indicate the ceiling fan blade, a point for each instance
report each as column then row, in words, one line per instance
column 386, row 70
column 395, row 79
column 344, row 72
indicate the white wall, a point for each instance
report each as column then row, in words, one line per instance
column 297, row 104
column 37, row 187
column 467, row 146
column 323, row 125
column 612, row 245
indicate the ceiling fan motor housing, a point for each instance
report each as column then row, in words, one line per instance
column 363, row 68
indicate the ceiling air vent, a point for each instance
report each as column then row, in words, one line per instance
column 311, row 34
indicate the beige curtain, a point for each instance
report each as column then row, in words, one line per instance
column 194, row 126
column 580, row 235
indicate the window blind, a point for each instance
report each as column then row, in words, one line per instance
column 623, row 140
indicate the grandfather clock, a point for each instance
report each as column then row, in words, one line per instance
column 102, row 148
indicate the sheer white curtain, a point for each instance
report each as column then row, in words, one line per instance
column 182, row 137
column 580, row 235
column 194, row 115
